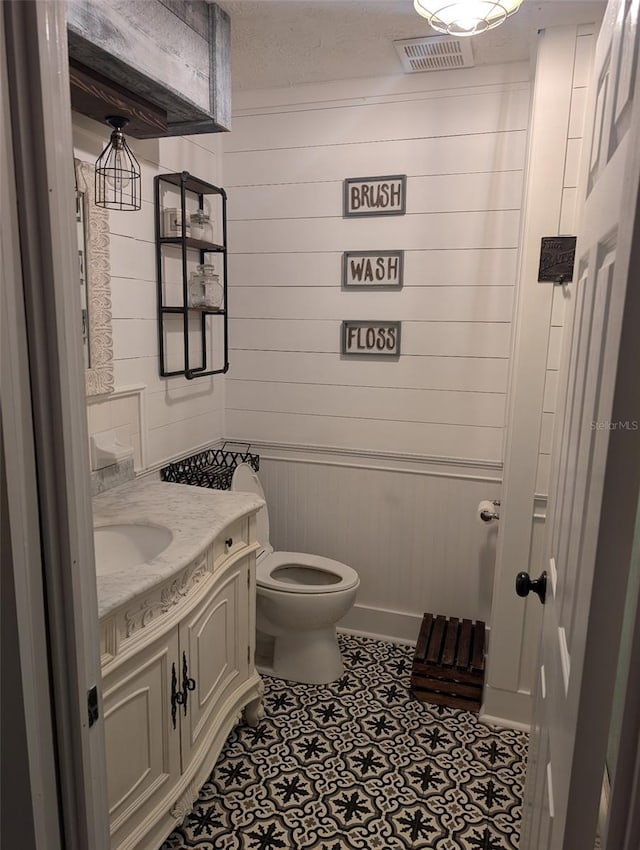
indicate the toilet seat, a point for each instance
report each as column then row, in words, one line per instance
column 277, row 570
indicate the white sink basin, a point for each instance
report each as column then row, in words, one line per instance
column 119, row 547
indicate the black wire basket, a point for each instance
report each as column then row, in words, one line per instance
column 212, row 468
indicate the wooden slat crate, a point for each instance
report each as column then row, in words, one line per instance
column 448, row 665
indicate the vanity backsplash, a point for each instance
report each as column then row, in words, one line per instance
column 112, row 476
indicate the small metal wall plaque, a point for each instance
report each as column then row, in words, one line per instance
column 365, row 269
column 370, row 196
column 371, row 339
column 557, row 256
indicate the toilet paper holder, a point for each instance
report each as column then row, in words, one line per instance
column 487, row 516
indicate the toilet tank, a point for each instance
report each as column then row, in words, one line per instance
column 245, row 480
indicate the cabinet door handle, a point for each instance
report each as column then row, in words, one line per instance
column 177, row 696
column 228, row 542
column 188, row 684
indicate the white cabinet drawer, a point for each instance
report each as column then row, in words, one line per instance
column 233, row 539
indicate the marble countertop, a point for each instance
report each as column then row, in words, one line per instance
column 194, row 515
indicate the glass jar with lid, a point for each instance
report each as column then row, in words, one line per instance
column 201, row 227
column 197, row 290
column 205, row 289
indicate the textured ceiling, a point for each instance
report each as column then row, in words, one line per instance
column 287, row 42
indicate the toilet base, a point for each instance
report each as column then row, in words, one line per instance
column 310, row 657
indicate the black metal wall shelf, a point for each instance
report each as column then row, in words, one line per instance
column 188, row 185
column 206, row 247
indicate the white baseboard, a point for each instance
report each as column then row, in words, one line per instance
column 374, row 636
column 508, row 709
column 503, row 722
column 381, row 624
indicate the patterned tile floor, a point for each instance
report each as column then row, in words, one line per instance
column 359, row 764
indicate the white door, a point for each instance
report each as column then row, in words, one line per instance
column 595, row 480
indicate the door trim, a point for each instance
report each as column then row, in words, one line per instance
column 38, row 84
column 25, row 672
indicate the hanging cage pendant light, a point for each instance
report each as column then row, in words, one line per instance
column 118, row 171
column 465, row 17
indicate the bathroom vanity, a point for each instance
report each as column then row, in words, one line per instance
column 177, row 648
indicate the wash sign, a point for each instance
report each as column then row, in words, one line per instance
column 372, row 196
column 372, row 268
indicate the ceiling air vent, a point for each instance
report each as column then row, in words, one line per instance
column 434, row 53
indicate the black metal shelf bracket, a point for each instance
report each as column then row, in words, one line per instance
column 188, row 184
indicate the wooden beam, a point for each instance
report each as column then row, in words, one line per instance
column 169, row 55
column 94, row 95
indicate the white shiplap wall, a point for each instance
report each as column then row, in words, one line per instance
column 572, row 194
column 460, row 137
column 379, row 464
column 567, row 226
column 163, row 417
column 562, row 63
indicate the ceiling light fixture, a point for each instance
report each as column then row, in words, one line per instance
column 117, row 171
column 465, row 17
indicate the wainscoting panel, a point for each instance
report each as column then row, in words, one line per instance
column 412, row 534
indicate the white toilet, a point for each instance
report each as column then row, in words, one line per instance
column 299, row 600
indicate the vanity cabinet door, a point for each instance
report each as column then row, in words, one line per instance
column 142, row 747
column 214, row 639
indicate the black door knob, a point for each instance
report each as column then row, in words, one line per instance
column 524, row 585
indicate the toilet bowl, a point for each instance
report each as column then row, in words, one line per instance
column 299, row 599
